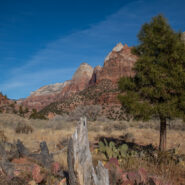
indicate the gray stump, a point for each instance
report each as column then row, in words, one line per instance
column 81, row 170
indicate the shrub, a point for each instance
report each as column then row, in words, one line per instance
column 23, row 128
column 91, row 112
column 3, row 138
column 36, row 115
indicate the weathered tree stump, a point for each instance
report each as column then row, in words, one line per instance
column 81, row 170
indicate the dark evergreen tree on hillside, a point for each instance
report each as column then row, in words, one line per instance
column 158, row 88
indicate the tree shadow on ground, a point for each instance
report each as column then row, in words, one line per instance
column 150, row 149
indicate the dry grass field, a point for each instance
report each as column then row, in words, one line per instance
column 56, row 133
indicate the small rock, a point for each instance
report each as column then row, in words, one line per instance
column 134, row 177
column 36, row 173
column 55, row 167
column 143, row 175
column 32, row 183
column 63, row 182
column 127, row 183
column 124, row 177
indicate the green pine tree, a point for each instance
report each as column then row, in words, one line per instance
column 158, row 88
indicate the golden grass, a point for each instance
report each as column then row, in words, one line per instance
column 44, row 131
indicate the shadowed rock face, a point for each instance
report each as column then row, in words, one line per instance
column 94, row 77
column 118, row 63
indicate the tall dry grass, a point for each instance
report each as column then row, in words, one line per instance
column 58, row 129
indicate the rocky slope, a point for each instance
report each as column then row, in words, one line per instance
column 52, row 93
column 118, row 63
column 7, row 105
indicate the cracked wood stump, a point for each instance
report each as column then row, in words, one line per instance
column 81, row 170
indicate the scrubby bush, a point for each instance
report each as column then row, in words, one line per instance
column 23, row 128
column 3, row 138
column 91, row 112
column 36, row 115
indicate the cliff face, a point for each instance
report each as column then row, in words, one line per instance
column 79, row 82
column 118, row 63
column 52, row 93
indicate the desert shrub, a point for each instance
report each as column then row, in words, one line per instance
column 37, row 115
column 3, row 138
column 23, row 128
column 58, row 123
column 120, row 126
column 176, row 125
column 63, row 143
column 91, row 112
column 108, row 128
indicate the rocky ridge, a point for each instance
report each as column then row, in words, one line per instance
column 117, row 64
column 7, row 105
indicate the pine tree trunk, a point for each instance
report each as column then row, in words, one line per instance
column 162, row 144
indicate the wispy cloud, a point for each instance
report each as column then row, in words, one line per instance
column 33, row 80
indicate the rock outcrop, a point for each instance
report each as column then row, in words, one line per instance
column 118, row 63
column 79, row 82
column 44, row 96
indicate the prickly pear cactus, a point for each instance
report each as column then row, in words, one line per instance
column 123, row 150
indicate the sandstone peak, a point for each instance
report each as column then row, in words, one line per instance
column 118, row 47
column 84, row 70
column 97, row 68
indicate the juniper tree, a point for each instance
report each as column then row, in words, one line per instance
column 158, row 88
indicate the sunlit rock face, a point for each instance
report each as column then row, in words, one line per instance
column 44, row 96
column 118, row 63
column 79, row 82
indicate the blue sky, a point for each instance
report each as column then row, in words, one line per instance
column 44, row 41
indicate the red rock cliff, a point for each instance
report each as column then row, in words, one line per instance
column 118, row 63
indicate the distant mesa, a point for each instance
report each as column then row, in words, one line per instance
column 49, row 89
